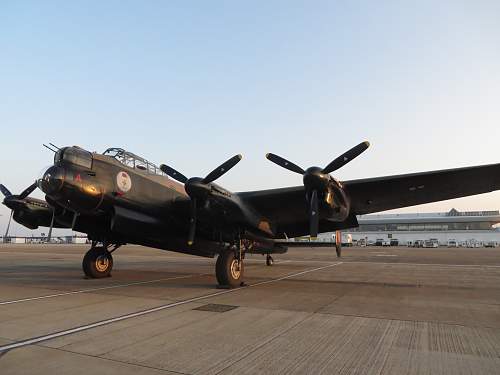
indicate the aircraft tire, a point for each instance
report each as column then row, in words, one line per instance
column 97, row 263
column 226, row 270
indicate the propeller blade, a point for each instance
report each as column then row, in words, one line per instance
column 49, row 236
column 284, row 163
column 28, row 190
column 314, row 215
column 346, row 157
column 173, row 173
column 192, row 222
column 8, row 225
column 222, row 169
column 5, row 191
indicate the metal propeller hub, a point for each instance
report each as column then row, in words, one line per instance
column 199, row 188
column 317, row 180
column 195, row 187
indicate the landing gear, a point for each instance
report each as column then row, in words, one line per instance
column 98, row 262
column 229, row 266
column 338, row 249
column 269, row 260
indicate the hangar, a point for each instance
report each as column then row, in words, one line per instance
column 463, row 227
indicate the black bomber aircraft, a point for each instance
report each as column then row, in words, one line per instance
column 118, row 197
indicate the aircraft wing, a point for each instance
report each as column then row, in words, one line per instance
column 287, row 208
column 386, row 193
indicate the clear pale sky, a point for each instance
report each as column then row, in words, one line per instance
column 192, row 83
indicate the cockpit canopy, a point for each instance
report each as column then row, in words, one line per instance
column 74, row 155
column 133, row 161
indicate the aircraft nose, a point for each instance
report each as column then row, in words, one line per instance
column 52, row 180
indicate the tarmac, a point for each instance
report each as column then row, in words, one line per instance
column 373, row 311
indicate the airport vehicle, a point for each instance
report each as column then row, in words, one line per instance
column 362, row 242
column 431, row 243
column 386, row 243
column 453, row 243
column 418, row 243
column 118, row 197
column 473, row 243
column 394, row 242
column 491, row 244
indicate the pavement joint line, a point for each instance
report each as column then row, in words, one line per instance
column 86, row 327
column 262, row 344
column 437, row 322
column 425, row 264
column 92, row 290
column 112, row 360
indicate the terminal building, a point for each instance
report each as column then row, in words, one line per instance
column 463, row 227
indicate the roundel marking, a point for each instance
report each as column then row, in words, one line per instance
column 123, row 181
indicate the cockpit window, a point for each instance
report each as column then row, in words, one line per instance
column 74, row 155
column 133, row 161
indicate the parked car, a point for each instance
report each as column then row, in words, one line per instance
column 452, row 243
column 418, row 243
column 491, row 244
column 432, row 243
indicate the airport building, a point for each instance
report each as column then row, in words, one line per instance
column 464, row 228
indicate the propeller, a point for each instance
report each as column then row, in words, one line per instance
column 316, row 178
column 10, row 200
column 197, row 187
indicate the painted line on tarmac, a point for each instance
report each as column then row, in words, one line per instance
column 92, row 290
column 101, row 323
column 426, row 264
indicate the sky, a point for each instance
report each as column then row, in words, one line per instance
column 192, row 83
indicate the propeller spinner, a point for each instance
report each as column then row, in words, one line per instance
column 197, row 187
column 316, row 179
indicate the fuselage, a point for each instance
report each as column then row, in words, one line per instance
column 120, row 197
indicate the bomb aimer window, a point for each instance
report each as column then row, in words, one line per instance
column 133, row 161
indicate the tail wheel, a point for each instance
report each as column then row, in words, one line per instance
column 269, row 260
column 97, row 263
column 229, row 270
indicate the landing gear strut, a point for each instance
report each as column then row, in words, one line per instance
column 269, row 260
column 229, row 267
column 98, row 262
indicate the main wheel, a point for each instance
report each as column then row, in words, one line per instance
column 229, row 270
column 97, row 263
